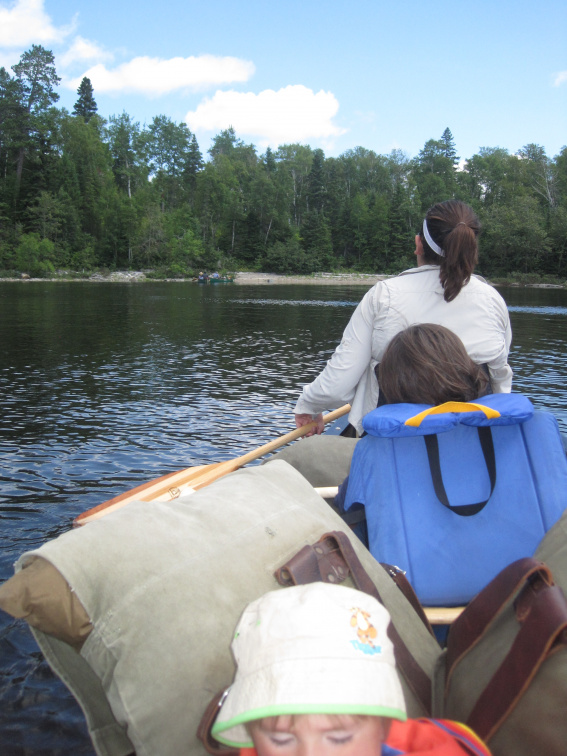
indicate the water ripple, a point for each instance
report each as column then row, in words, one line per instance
column 539, row 310
column 296, row 302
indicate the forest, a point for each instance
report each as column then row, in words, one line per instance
column 79, row 192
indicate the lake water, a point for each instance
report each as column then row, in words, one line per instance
column 104, row 386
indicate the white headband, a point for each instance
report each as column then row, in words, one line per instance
column 435, row 247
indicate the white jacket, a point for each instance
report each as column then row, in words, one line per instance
column 478, row 315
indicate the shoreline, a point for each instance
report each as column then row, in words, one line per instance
column 317, row 278
column 247, row 278
column 240, row 277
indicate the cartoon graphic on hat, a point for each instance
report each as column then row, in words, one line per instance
column 365, row 631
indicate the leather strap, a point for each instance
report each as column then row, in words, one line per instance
column 212, row 746
column 332, row 559
column 399, row 577
column 487, row 446
column 468, row 629
column 543, row 628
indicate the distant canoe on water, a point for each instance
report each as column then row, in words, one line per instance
column 203, row 278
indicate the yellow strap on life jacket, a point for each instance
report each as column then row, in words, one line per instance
column 442, row 409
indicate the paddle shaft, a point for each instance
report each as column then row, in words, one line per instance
column 198, row 477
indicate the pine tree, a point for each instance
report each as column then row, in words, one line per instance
column 316, row 240
column 35, row 82
column 316, row 182
column 270, row 161
column 193, row 160
column 85, row 105
column 449, row 146
column 193, row 164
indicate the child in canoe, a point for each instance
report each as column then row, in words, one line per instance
column 316, row 676
column 425, row 364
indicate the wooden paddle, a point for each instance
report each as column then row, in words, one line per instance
column 170, row 486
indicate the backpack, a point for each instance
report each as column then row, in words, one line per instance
column 504, row 671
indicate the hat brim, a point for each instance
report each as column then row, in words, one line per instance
column 360, row 689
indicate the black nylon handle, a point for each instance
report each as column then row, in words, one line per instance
column 487, row 446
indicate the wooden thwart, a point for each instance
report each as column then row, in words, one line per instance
column 442, row 615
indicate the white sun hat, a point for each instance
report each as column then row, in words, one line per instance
column 310, row 649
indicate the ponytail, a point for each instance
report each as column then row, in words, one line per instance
column 454, row 228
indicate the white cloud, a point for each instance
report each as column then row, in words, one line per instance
column 82, row 50
column 292, row 114
column 25, row 22
column 154, row 76
column 560, row 78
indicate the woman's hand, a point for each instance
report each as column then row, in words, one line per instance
column 301, row 420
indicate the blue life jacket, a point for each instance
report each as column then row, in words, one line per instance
column 444, row 506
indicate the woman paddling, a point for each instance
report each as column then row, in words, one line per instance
column 442, row 290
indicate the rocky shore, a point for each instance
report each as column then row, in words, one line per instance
column 128, row 276
column 248, row 278
column 317, row 278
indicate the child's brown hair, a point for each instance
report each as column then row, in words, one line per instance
column 428, row 364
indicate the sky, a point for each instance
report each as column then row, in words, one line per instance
column 326, row 73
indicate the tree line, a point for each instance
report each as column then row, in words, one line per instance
column 80, row 192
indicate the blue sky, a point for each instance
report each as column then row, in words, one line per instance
column 331, row 74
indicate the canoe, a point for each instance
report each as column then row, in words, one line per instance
column 211, row 280
column 77, row 664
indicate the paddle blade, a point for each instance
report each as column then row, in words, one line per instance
column 162, row 489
